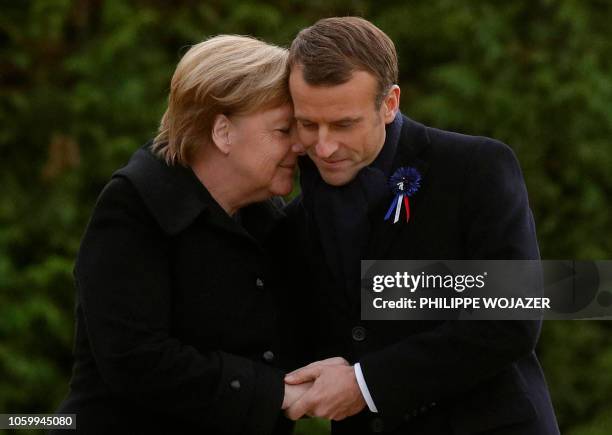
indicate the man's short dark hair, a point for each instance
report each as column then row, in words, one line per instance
column 333, row 48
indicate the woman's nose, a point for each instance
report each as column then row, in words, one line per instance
column 298, row 148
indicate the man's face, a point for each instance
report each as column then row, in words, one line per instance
column 340, row 126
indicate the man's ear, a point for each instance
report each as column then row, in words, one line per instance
column 391, row 104
column 221, row 133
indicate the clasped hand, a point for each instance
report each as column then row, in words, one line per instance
column 325, row 389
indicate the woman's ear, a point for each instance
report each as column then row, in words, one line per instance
column 391, row 104
column 221, row 133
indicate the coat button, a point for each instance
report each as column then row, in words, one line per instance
column 359, row 333
column 259, row 284
column 377, row 425
column 268, row 356
column 424, row 409
column 235, row 384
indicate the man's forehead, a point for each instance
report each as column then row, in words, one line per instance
column 363, row 79
column 333, row 103
column 328, row 117
column 331, row 110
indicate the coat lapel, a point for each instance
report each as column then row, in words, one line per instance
column 412, row 150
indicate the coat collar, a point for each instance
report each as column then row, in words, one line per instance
column 412, row 148
column 176, row 197
column 384, row 160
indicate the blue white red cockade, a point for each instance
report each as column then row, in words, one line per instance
column 404, row 183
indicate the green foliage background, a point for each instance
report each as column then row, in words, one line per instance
column 83, row 83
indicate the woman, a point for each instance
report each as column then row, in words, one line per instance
column 176, row 319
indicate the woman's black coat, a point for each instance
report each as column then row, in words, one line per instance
column 177, row 323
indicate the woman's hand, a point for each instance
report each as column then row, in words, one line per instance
column 294, row 392
column 298, row 387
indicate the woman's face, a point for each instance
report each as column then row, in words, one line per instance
column 261, row 150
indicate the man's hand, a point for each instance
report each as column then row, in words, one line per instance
column 334, row 395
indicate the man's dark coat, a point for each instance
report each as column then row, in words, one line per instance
column 176, row 326
column 425, row 377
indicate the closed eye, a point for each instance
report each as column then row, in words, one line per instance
column 307, row 124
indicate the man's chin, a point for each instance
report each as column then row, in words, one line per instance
column 337, row 178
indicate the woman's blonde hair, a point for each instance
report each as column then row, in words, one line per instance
column 226, row 74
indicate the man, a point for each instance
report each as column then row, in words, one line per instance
column 411, row 377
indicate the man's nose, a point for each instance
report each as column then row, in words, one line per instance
column 325, row 146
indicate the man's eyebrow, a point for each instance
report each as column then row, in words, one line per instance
column 335, row 121
column 348, row 119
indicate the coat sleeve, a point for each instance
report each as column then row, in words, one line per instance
column 124, row 282
column 456, row 356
